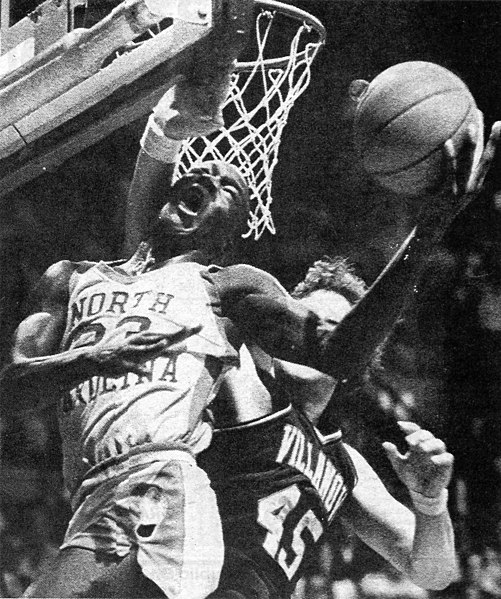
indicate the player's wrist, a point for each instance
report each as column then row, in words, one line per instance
column 157, row 145
column 430, row 506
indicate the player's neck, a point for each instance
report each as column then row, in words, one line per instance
column 146, row 259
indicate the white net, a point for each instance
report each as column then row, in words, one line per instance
column 262, row 94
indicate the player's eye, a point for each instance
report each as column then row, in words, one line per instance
column 229, row 186
column 231, row 189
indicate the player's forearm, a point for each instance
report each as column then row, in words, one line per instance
column 433, row 562
column 347, row 349
column 147, row 194
column 286, row 330
column 23, row 380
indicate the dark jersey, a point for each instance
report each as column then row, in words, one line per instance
column 277, row 493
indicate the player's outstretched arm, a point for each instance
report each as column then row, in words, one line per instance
column 286, row 330
column 37, row 368
column 419, row 543
column 350, row 345
column 189, row 109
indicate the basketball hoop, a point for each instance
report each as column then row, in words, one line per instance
column 262, row 94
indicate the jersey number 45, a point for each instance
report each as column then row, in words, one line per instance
column 277, row 513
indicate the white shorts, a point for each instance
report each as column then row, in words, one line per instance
column 166, row 510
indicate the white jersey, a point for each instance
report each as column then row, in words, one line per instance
column 105, row 417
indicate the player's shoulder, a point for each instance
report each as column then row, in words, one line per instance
column 56, row 278
column 250, row 278
column 64, row 269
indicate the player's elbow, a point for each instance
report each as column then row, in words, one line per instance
column 435, row 575
column 18, row 391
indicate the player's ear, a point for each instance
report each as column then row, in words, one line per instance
column 357, row 90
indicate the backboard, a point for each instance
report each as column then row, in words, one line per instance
column 63, row 93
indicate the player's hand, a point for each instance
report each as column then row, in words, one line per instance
column 193, row 109
column 466, row 174
column 464, row 180
column 426, row 467
column 119, row 353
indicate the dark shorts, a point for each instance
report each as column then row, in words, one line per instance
column 241, row 578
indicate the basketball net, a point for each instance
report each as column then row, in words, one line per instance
column 262, row 94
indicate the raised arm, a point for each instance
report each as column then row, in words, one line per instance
column 287, row 330
column 192, row 108
column 186, row 110
column 349, row 347
column 419, row 543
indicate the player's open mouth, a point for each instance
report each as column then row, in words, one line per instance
column 193, row 200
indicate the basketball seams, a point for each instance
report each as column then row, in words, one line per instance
column 429, row 154
column 408, row 112
column 409, row 107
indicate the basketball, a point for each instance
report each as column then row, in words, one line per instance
column 402, row 121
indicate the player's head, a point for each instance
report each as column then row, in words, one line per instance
column 207, row 209
column 330, row 289
column 334, row 275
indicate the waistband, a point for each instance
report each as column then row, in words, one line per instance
column 255, row 422
column 123, row 464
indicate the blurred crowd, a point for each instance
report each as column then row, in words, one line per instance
column 440, row 367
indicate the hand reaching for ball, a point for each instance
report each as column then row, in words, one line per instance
column 466, row 168
column 468, row 165
column 418, row 133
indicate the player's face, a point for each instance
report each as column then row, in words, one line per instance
column 205, row 198
column 329, row 305
column 332, row 307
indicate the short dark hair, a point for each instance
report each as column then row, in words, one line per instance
column 332, row 274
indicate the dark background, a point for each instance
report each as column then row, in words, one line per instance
column 443, row 360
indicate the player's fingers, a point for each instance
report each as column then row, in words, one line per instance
column 184, row 333
column 443, row 459
column 465, row 159
column 392, row 452
column 171, row 342
column 408, row 427
column 175, row 348
column 138, row 346
column 487, row 155
column 156, row 349
column 125, row 365
column 137, row 354
column 137, row 369
column 433, row 446
column 181, row 332
column 450, row 161
column 149, row 341
column 144, row 338
column 417, row 439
